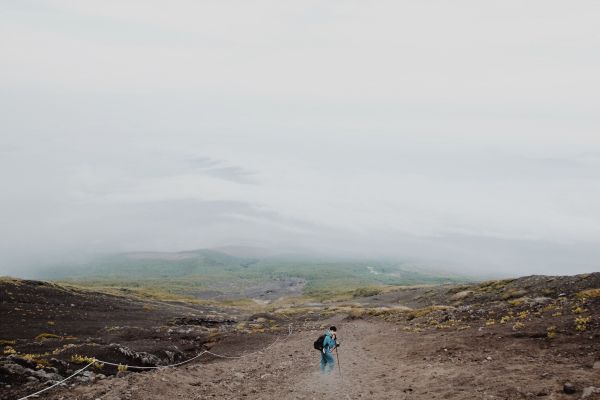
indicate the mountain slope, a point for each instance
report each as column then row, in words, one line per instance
column 209, row 273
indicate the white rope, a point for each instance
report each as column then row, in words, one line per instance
column 58, row 383
column 157, row 367
column 95, row 360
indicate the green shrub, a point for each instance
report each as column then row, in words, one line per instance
column 366, row 292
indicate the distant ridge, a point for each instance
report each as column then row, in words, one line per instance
column 238, row 270
column 246, row 251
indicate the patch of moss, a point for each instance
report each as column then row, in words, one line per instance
column 513, row 294
column 44, row 336
column 493, row 286
column 581, row 323
column 507, row 318
column 366, row 292
column 523, row 315
column 517, row 302
column 578, row 310
column 38, row 359
column 422, row 312
column 589, row 294
column 518, row 325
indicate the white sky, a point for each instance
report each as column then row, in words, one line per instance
column 465, row 132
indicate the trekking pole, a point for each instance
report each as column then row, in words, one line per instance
column 338, row 362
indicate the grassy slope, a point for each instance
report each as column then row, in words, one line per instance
column 212, row 270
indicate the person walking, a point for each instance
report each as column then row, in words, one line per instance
column 329, row 344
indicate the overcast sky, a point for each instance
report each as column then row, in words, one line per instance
column 466, row 132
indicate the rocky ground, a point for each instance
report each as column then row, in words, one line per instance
column 47, row 331
column 534, row 337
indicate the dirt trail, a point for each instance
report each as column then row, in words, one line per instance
column 378, row 360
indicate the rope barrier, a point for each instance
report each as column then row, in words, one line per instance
column 157, row 367
column 95, row 360
column 58, row 383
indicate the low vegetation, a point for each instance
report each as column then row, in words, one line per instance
column 493, row 286
column 79, row 359
column 366, row 292
column 589, row 294
column 425, row 311
column 162, row 318
column 581, row 323
column 225, row 276
column 45, row 336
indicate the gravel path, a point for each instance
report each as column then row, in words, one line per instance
column 378, row 360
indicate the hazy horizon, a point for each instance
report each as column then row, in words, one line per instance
column 463, row 133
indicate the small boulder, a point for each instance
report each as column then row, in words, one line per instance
column 90, row 375
column 569, row 388
column 47, row 376
column 596, row 365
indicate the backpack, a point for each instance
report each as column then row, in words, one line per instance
column 319, row 343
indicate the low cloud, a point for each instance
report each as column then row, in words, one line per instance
column 338, row 128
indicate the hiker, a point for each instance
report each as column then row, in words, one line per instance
column 329, row 344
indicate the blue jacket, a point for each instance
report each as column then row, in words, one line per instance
column 329, row 342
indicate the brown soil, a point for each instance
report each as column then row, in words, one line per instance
column 500, row 340
column 378, row 360
column 45, row 325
